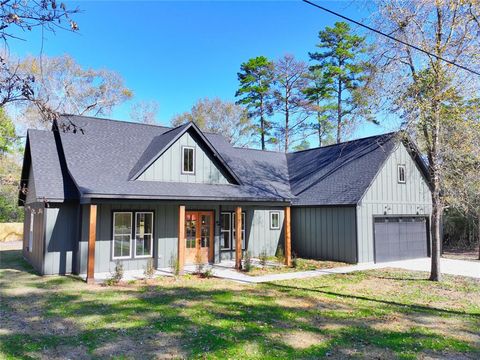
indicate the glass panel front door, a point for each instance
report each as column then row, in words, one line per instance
column 198, row 237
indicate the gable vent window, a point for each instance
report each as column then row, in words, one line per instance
column 401, row 174
column 188, row 164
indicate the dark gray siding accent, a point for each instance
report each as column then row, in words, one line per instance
column 325, row 233
column 386, row 196
column 36, row 256
column 61, row 235
column 168, row 167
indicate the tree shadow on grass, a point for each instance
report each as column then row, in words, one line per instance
column 413, row 307
column 187, row 321
column 13, row 260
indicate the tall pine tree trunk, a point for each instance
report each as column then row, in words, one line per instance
column 478, row 235
column 287, row 115
column 339, row 112
column 262, row 124
column 319, row 130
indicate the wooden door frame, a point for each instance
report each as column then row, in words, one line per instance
column 199, row 213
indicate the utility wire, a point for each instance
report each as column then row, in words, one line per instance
column 391, row 37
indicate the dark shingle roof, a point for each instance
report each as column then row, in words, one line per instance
column 51, row 178
column 338, row 174
column 104, row 160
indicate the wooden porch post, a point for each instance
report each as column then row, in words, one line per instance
column 288, row 237
column 92, row 236
column 181, row 238
column 238, row 237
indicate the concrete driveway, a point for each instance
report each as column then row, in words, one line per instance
column 447, row 266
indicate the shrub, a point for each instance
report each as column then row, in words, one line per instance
column 149, row 269
column 208, row 273
column 247, row 262
column 263, row 258
column 199, row 265
column 280, row 255
column 294, row 260
column 117, row 275
column 174, row 265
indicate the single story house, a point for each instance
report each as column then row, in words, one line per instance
column 99, row 191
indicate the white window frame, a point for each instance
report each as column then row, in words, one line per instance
column 113, row 235
column 30, row 232
column 271, row 220
column 404, row 174
column 229, row 231
column 183, row 160
column 151, row 236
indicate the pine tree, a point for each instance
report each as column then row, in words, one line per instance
column 256, row 77
column 341, row 75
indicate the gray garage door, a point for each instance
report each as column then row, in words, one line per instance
column 400, row 238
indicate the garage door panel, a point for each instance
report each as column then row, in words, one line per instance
column 399, row 238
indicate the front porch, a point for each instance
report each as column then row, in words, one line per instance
column 211, row 233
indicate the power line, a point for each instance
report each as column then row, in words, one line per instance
column 391, row 37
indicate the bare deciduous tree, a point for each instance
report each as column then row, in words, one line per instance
column 421, row 87
column 290, row 81
column 220, row 117
column 25, row 16
column 65, row 87
column 145, row 112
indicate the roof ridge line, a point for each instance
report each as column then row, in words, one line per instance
column 347, row 142
column 116, row 120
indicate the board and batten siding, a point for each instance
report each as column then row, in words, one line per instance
column 259, row 235
column 61, row 232
column 387, row 196
column 34, row 257
column 325, row 233
column 168, row 167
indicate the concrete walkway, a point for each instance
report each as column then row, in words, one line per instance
column 448, row 266
column 226, row 271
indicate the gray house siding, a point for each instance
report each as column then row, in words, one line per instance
column 168, row 167
column 386, row 196
column 36, row 256
column 326, row 233
column 258, row 233
column 61, row 233
column 259, row 237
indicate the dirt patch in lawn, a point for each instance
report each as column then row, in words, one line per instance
column 300, row 339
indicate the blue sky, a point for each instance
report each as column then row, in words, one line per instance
column 177, row 52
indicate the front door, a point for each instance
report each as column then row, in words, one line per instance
column 198, row 237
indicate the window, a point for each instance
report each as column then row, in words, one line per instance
column 127, row 232
column 227, row 231
column 143, row 234
column 274, row 220
column 122, row 235
column 30, row 233
column 401, row 174
column 188, row 166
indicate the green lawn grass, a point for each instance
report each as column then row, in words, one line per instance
column 383, row 314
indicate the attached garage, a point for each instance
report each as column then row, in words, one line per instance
column 400, row 238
